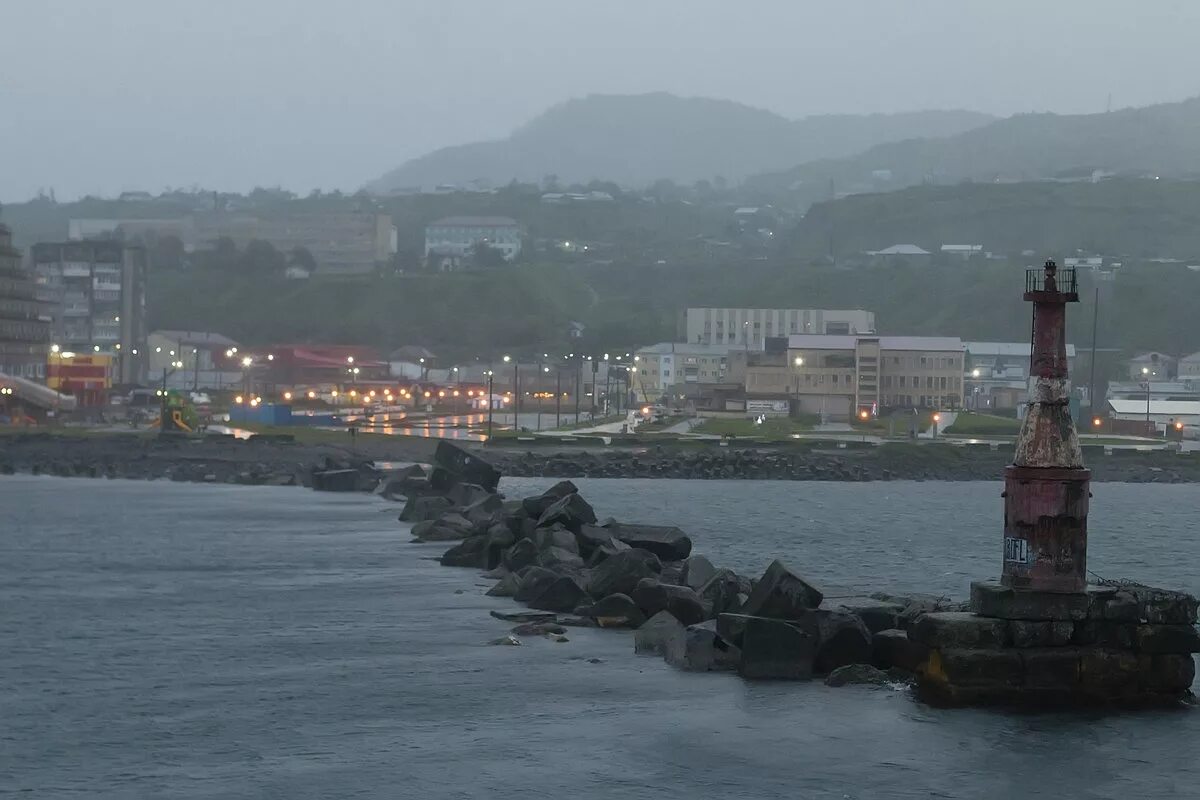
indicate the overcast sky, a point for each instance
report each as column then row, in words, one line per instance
column 100, row 97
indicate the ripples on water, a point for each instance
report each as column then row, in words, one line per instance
column 175, row 641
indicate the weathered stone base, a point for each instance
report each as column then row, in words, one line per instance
column 1112, row 646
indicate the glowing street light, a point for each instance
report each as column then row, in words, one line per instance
column 507, row 359
column 247, row 361
column 799, row 361
column 287, row 395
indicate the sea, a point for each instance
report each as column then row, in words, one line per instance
column 167, row 640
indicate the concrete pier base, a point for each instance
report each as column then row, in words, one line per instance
column 1113, row 645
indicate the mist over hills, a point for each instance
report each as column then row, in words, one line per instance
column 1161, row 139
column 634, row 140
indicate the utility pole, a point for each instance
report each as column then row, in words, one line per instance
column 578, row 387
column 1092, row 379
column 491, row 404
column 558, row 396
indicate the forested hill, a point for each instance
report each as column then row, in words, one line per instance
column 635, row 140
column 1162, row 140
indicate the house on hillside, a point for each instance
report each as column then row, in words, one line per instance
column 1189, row 366
column 411, row 361
column 450, row 240
column 1158, row 366
column 900, row 253
column 963, row 251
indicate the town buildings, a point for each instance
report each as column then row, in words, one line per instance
column 452, row 239
column 97, row 294
column 1156, row 366
column 661, row 367
column 997, row 374
column 841, row 376
column 351, row 243
column 751, row 327
column 24, row 321
column 209, row 360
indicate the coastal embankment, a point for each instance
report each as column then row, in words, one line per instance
column 284, row 460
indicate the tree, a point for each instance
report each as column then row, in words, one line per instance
column 223, row 255
column 167, row 252
column 261, row 258
column 484, row 255
column 302, row 257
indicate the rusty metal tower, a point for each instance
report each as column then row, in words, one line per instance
column 1046, row 487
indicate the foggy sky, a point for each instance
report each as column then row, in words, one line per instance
column 228, row 94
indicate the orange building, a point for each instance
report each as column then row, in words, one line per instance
column 87, row 377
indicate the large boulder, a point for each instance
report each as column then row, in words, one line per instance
column 697, row 571
column 842, row 639
column 615, row 611
column 724, row 592
column 536, row 506
column 665, row 541
column 661, row 635
column 620, row 573
column 781, row 594
column 704, row 650
column 563, row 595
column 467, row 553
column 775, row 649
column 407, row 482
column 461, row 466
column 507, row 586
column 893, row 649
column 653, row 596
column 572, row 512
column 534, row 580
column 419, row 508
column 877, row 615
column 521, row 554
column 480, row 512
column 862, row 674
column 560, row 560
column 555, row 536
column 447, row 527
column 341, row 480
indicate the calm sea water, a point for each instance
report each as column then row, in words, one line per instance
column 163, row 640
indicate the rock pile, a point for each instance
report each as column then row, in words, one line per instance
column 553, row 554
column 1126, row 644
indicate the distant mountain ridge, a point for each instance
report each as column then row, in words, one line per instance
column 635, row 140
column 1162, row 139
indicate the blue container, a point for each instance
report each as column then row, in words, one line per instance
column 262, row 414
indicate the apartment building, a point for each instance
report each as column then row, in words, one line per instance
column 24, row 322
column 841, row 376
column 97, row 296
column 454, row 237
column 659, row 368
column 997, row 373
column 751, row 327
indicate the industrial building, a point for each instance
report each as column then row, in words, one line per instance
column 751, row 327
column 840, row 377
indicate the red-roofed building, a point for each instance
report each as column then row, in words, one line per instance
column 316, row 364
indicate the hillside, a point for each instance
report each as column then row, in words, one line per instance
column 1128, row 218
column 1159, row 140
column 634, row 140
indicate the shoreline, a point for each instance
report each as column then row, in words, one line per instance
column 276, row 460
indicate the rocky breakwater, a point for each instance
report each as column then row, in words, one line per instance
column 551, row 553
column 827, row 462
column 1116, row 645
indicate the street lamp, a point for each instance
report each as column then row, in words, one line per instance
column 1147, row 374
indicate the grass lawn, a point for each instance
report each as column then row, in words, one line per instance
column 971, row 424
column 771, row 428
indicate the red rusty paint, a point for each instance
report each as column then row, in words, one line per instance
column 1047, row 489
column 1045, row 510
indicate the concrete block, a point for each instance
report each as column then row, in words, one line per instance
column 954, row 629
column 774, row 649
column 1154, row 639
column 1108, row 672
column 975, row 667
column 990, row 599
column 1166, row 672
column 1052, row 668
column 894, row 648
column 1041, row 633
